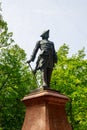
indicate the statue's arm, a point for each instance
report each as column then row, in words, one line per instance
column 35, row 51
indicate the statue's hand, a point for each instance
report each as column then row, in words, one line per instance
column 28, row 61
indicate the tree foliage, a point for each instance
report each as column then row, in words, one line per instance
column 15, row 81
column 70, row 78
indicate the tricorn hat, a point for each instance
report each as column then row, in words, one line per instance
column 45, row 32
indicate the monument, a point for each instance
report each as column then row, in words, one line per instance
column 45, row 108
column 46, row 59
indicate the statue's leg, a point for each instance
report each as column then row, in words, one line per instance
column 49, row 73
column 44, row 78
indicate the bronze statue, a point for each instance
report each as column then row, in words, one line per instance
column 46, row 59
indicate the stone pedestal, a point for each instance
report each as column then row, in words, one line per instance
column 45, row 110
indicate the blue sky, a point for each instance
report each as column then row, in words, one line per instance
column 66, row 19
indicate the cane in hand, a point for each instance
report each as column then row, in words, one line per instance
column 33, row 74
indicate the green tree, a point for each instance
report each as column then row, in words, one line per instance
column 70, row 78
column 16, row 81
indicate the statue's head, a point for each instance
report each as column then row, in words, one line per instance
column 45, row 34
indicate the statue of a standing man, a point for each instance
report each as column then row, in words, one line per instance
column 46, row 59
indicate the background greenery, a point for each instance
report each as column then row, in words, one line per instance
column 16, row 80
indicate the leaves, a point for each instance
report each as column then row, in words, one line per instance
column 5, row 37
column 16, row 81
column 70, row 78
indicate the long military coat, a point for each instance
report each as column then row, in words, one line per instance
column 47, row 56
